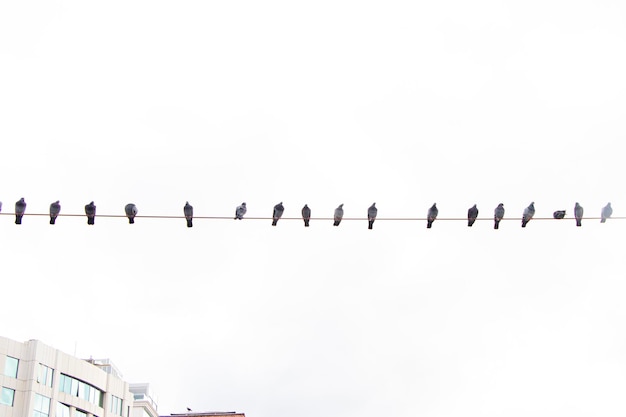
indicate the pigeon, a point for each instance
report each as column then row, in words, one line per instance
column 20, row 208
column 306, row 215
column 371, row 215
column 578, row 213
column 498, row 214
column 131, row 212
column 0, row 205
column 338, row 215
column 240, row 211
column 432, row 215
column 278, row 213
column 472, row 214
column 606, row 212
column 90, row 211
column 188, row 210
column 559, row 214
column 55, row 209
column 529, row 212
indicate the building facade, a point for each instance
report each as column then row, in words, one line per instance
column 37, row 380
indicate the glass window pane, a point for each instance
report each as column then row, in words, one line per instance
column 62, row 410
column 6, row 396
column 10, row 367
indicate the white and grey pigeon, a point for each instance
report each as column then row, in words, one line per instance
column 90, row 211
column 188, row 211
column 498, row 215
column 20, row 209
column 432, row 215
column 240, row 211
column 559, row 214
column 306, row 215
column 472, row 214
column 529, row 212
column 55, row 209
column 131, row 211
column 338, row 215
column 607, row 211
column 578, row 213
column 277, row 213
column 371, row 215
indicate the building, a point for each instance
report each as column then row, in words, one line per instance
column 145, row 403
column 209, row 414
column 40, row 381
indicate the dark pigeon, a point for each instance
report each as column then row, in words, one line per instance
column 338, row 215
column 188, row 210
column 55, row 209
column 472, row 214
column 131, row 211
column 371, row 215
column 278, row 213
column 498, row 215
column 240, row 211
column 20, row 209
column 306, row 215
column 432, row 215
column 90, row 211
column 559, row 214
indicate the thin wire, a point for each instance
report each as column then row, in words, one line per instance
column 312, row 218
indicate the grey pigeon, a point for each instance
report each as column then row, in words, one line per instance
column 498, row 215
column 338, row 215
column 606, row 212
column 0, row 205
column 559, row 214
column 578, row 213
column 371, row 215
column 529, row 212
column 278, row 213
column 240, row 211
column 90, row 211
column 55, row 209
column 188, row 210
column 131, row 211
column 306, row 215
column 20, row 209
column 472, row 214
column 432, row 215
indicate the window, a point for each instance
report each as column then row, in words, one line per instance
column 42, row 406
column 45, row 375
column 80, row 413
column 6, row 396
column 80, row 389
column 10, row 367
column 63, row 410
column 116, row 405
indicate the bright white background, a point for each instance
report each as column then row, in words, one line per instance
column 401, row 103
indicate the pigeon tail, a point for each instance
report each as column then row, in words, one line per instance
column 496, row 224
column 91, row 220
column 189, row 223
column 18, row 219
column 131, row 220
column 371, row 224
column 429, row 224
column 336, row 222
column 53, row 220
column 603, row 220
column 274, row 222
column 470, row 222
column 306, row 222
column 524, row 223
column 579, row 222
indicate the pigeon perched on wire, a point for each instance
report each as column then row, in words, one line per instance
column 371, row 215
column 559, row 214
column 578, row 213
column 498, row 215
column 278, row 213
column 338, row 215
column 188, row 211
column 472, row 214
column 90, row 211
column 432, row 215
column 607, row 211
column 529, row 212
column 20, row 209
column 131, row 211
column 240, row 211
column 55, row 209
column 306, row 215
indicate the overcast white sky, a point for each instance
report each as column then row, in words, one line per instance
column 401, row 103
